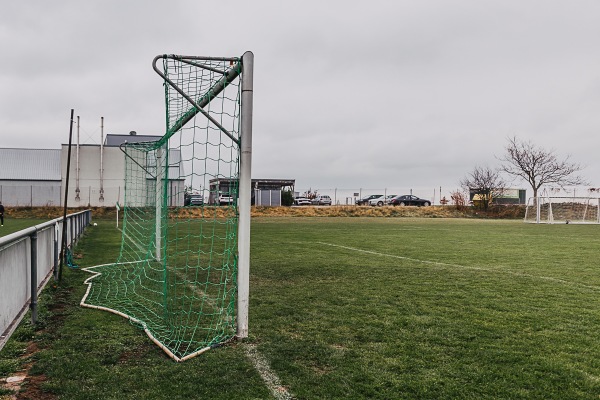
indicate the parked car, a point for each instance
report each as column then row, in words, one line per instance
column 193, row 200
column 225, row 199
column 196, row 200
column 365, row 200
column 302, row 201
column 321, row 200
column 382, row 200
column 409, row 200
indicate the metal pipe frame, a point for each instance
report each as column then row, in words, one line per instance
column 77, row 162
column 134, row 160
column 101, row 159
column 245, row 193
column 245, row 67
column 198, row 106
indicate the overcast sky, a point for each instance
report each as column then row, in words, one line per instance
column 348, row 94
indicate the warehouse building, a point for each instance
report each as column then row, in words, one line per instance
column 30, row 177
column 37, row 177
column 97, row 176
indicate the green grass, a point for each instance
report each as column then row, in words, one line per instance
column 357, row 308
column 14, row 225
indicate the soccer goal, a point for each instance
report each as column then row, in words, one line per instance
column 563, row 210
column 183, row 269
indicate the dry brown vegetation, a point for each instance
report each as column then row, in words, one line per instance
column 390, row 212
column 305, row 211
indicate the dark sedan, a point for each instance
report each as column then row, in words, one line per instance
column 409, row 200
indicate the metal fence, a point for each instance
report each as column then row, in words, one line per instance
column 27, row 260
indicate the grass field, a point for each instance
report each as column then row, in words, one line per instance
column 14, row 225
column 353, row 308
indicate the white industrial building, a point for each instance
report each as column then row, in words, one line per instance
column 37, row 177
column 30, row 177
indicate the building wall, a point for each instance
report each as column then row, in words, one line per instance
column 113, row 182
column 267, row 197
column 37, row 177
column 30, row 193
column 89, row 183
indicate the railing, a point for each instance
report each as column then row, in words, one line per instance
column 27, row 260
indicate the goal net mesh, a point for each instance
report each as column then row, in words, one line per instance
column 175, row 275
column 575, row 210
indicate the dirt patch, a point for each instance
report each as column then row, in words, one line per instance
column 23, row 385
column 31, row 389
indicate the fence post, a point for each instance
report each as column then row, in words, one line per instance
column 77, row 227
column 33, row 303
column 72, row 232
column 56, row 250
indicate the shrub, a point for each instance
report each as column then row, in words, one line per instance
column 287, row 198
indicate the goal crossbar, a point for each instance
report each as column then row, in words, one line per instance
column 212, row 93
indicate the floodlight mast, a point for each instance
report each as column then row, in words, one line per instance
column 245, row 195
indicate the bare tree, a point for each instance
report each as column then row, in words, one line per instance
column 485, row 182
column 458, row 199
column 538, row 166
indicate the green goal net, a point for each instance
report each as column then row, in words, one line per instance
column 176, row 274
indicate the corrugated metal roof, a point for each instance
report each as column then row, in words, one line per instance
column 30, row 164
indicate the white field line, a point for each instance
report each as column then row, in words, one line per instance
column 442, row 264
column 260, row 363
column 266, row 373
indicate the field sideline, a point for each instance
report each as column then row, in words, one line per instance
column 377, row 308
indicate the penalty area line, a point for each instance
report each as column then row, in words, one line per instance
column 266, row 373
column 443, row 264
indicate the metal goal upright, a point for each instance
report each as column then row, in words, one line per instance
column 183, row 272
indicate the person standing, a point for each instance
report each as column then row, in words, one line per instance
column 1, row 214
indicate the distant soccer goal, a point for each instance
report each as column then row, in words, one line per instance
column 563, row 210
column 183, row 270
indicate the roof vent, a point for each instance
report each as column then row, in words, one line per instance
column 133, row 133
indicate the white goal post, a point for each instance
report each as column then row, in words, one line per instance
column 563, row 210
